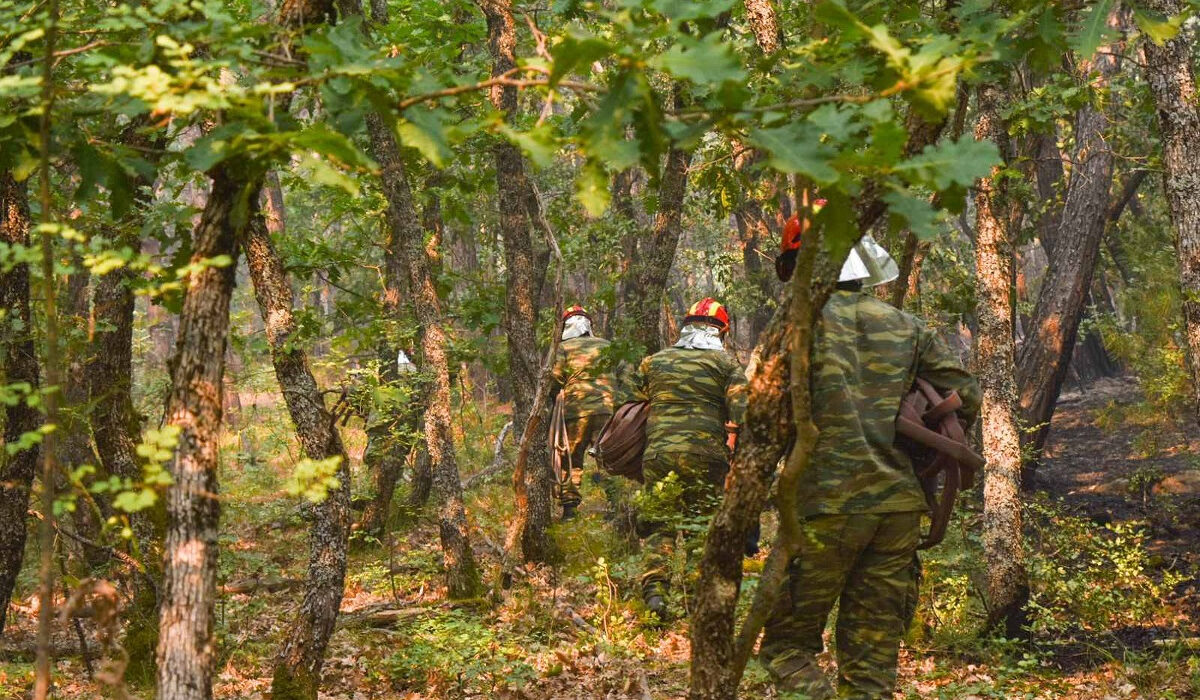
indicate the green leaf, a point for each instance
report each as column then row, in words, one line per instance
column 1093, row 29
column 591, row 188
column 538, row 144
column 794, row 148
column 573, row 50
column 1158, row 29
column 423, row 130
column 915, row 212
column 690, row 10
column 331, row 144
column 950, row 163
column 322, row 172
column 707, row 61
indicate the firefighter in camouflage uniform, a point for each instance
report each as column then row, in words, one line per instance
column 861, row 504
column 581, row 373
column 697, row 396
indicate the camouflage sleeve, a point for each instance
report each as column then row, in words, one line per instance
column 938, row 366
column 735, row 394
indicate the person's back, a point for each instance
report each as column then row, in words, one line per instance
column 860, row 503
column 694, row 389
column 693, row 393
column 868, row 354
column 582, row 371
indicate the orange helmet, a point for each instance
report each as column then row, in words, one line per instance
column 710, row 311
column 789, row 243
column 575, row 310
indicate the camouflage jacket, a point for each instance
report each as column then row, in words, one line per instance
column 692, row 394
column 867, row 356
column 581, row 372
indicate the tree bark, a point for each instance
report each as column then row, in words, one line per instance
column 1007, row 579
column 765, row 25
column 298, row 668
column 1045, row 355
column 20, row 365
column 406, row 251
column 1172, row 81
column 655, row 252
column 186, row 645
column 520, row 318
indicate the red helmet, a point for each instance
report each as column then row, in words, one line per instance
column 789, row 243
column 710, row 311
column 575, row 310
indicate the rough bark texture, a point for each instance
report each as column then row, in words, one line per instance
column 763, row 22
column 520, row 317
column 406, row 251
column 1045, row 355
column 186, row 644
column 20, row 365
column 298, row 667
column 756, row 236
column 656, row 250
column 1173, row 83
column 1007, row 580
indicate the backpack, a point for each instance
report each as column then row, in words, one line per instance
column 930, row 431
column 622, row 440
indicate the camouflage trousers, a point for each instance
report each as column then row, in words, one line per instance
column 694, row 493
column 581, row 433
column 864, row 563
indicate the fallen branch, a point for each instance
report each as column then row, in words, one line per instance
column 270, row 584
column 498, row 461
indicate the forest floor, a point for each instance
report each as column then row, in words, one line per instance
column 1113, row 559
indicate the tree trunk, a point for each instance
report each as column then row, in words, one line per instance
column 406, row 251
column 298, row 667
column 1007, row 580
column 1173, row 83
column 655, row 253
column 384, row 457
column 520, row 318
column 1045, row 355
column 20, row 365
column 75, row 446
column 764, row 24
column 186, row 647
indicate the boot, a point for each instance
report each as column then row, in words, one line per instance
column 654, row 595
column 569, row 511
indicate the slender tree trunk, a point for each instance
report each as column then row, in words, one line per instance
column 406, row 251
column 75, row 447
column 186, row 645
column 1172, row 81
column 1007, row 579
column 656, row 251
column 520, row 318
column 20, row 366
column 1045, row 355
column 385, row 456
column 298, row 667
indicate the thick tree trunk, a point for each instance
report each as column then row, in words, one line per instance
column 1007, row 580
column 1045, row 355
column 20, row 365
column 520, row 317
column 406, row 251
column 116, row 426
column 1172, row 81
column 764, row 24
column 186, row 647
column 298, row 667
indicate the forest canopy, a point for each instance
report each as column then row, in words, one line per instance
column 284, row 286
